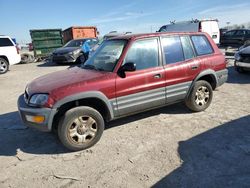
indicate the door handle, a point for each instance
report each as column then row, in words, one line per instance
column 157, row 76
column 194, row 67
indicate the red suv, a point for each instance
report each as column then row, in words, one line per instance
column 126, row 75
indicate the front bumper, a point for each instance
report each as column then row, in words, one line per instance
column 25, row 110
column 66, row 58
column 242, row 64
column 222, row 77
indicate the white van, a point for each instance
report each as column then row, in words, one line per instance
column 209, row 26
column 9, row 53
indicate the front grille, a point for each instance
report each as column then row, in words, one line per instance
column 59, row 58
column 246, row 59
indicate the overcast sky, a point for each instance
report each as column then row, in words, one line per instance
column 18, row 17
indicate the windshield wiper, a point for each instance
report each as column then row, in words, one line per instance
column 89, row 67
column 92, row 67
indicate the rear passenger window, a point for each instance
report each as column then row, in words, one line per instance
column 172, row 49
column 5, row 42
column 144, row 53
column 187, row 47
column 201, row 44
column 240, row 33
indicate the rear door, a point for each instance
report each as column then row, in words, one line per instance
column 238, row 37
column 144, row 88
column 228, row 38
column 180, row 66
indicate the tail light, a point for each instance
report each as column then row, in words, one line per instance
column 17, row 50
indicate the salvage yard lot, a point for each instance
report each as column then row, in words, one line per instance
column 167, row 147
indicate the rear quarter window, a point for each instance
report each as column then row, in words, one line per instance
column 5, row 42
column 201, row 45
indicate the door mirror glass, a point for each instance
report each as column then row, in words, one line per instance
column 128, row 67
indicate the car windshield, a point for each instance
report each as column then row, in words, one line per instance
column 106, row 56
column 74, row 43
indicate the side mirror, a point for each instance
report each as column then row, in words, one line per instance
column 127, row 67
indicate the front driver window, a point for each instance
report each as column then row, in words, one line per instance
column 144, row 53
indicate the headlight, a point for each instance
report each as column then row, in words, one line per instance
column 75, row 52
column 237, row 57
column 38, row 99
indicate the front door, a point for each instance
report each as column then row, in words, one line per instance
column 144, row 88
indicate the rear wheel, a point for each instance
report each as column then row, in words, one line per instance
column 4, row 66
column 200, row 97
column 80, row 128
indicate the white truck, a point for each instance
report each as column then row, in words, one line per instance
column 9, row 53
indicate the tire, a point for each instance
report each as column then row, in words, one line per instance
column 200, row 96
column 82, row 135
column 81, row 59
column 4, row 66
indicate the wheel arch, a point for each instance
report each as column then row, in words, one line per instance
column 5, row 57
column 208, row 75
column 96, row 100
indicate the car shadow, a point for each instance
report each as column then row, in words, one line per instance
column 14, row 135
column 237, row 78
column 219, row 157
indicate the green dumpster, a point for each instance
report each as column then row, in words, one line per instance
column 45, row 41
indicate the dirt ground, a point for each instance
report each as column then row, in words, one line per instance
column 167, row 147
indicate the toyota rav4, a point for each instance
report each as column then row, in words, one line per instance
column 126, row 75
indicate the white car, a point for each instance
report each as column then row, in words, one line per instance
column 9, row 53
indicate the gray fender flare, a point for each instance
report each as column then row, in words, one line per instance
column 84, row 95
column 201, row 74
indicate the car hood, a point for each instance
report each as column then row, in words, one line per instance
column 245, row 51
column 63, row 83
column 64, row 50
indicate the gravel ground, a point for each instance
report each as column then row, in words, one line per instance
column 167, row 147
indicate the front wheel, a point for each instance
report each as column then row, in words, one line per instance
column 200, row 97
column 81, row 59
column 80, row 128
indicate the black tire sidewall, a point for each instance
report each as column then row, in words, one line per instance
column 190, row 102
column 7, row 64
column 79, row 59
column 66, row 121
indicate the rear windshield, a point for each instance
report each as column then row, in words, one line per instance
column 5, row 42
